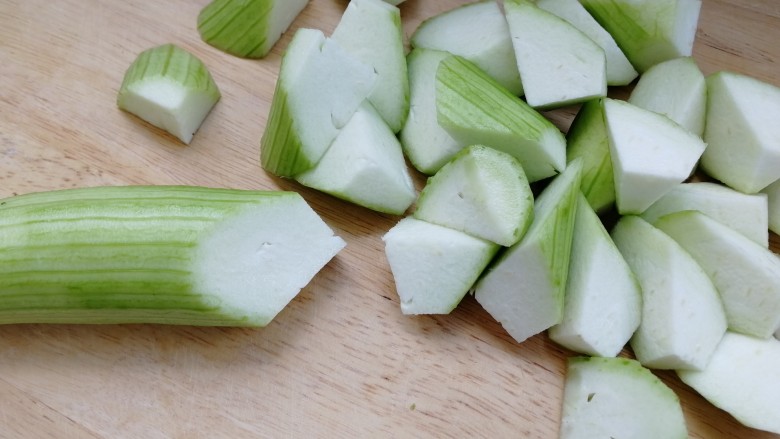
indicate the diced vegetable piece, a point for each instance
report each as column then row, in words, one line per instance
column 742, row 132
column 603, row 302
column 742, row 378
column 649, row 31
column 619, row 69
column 773, row 199
column 371, row 31
column 475, row 110
column 320, row 86
column 650, row 154
column 745, row 273
column 364, row 165
column 427, row 145
column 747, row 214
column 524, row 288
column 677, row 89
column 587, row 140
column 682, row 315
column 434, row 266
column 617, row 397
column 247, row 28
column 478, row 32
column 559, row 65
column 157, row 254
column 169, row 88
column 482, row 192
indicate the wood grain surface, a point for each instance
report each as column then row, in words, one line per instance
column 340, row 361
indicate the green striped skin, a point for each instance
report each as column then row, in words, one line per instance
column 621, row 18
column 467, row 83
column 556, row 215
column 281, row 146
column 319, row 88
column 113, row 254
column 237, row 27
column 475, row 109
column 587, row 139
column 644, row 30
column 172, row 63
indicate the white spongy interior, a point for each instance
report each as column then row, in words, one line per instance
column 167, row 105
column 258, row 260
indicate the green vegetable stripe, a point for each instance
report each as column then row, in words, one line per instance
column 468, row 83
column 587, row 138
column 619, row 17
column 558, row 248
column 236, row 26
column 172, row 62
column 280, row 146
column 598, row 177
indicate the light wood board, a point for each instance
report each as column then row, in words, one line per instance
column 340, row 361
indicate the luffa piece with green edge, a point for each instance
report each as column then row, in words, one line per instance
column 617, row 397
column 524, row 288
column 157, row 254
column 364, row 165
column 434, row 266
column 677, row 89
column 746, row 274
column 427, row 145
column 588, row 140
column 478, row 32
column 649, row 31
column 371, row 31
column 603, row 302
column 170, row 88
column 247, row 28
column 619, row 68
column 682, row 315
column 475, row 109
column 320, row 86
column 559, row 65
column 483, row 192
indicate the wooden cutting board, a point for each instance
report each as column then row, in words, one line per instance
column 340, row 361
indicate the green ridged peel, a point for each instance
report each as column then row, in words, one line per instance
column 247, row 28
column 556, row 214
column 320, row 86
column 281, row 145
column 588, row 139
column 648, row 31
column 475, row 109
column 155, row 254
column 173, row 63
